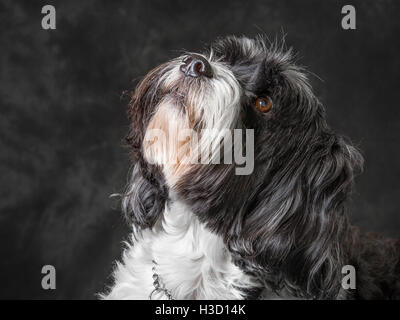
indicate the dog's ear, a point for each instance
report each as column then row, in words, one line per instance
column 327, row 183
column 296, row 226
column 145, row 196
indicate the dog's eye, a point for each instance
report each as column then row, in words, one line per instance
column 264, row 104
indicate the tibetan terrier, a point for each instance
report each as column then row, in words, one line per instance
column 238, row 187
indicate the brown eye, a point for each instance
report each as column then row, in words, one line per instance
column 264, row 104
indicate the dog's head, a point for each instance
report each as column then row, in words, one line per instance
column 283, row 215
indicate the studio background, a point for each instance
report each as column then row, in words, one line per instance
column 62, row 118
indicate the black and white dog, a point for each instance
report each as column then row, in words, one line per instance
column 203, row 230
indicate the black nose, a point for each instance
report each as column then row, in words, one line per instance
column 195, row 65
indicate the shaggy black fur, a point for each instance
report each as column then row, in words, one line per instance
column 286, row 222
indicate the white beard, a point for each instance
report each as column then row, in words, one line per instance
column 192, row 262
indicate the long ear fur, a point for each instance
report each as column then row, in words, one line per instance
column 146, row 193
column 296, row 226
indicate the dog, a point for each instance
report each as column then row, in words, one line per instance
column 201, row 230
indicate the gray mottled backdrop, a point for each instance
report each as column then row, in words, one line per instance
column 62, row 119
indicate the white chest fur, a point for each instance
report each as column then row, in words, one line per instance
column 192, row 262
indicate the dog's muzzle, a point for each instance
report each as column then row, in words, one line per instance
column 195, row 66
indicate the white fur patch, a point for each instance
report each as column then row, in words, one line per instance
column 192, row 262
